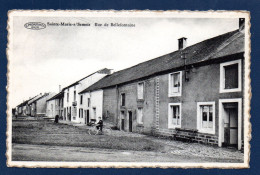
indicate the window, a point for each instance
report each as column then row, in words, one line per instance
column 123, row 99
column 230, row 76
column 140, row 91
column 175, row 84
column 81, row 99
column 74, row 112
column 174, row 115
column 74, row 95
column 206, row 117
column 81, row 113
column 67, row 96
column 88, row 102
column 94, row 113
column 140, row 115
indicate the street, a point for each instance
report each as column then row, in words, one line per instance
column 41, row 140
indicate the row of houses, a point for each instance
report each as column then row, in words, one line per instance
column 35, row 106
column 194, row 92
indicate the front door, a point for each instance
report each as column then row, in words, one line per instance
column 87, row 116
column 122, row 116
column 65, row 114
column 231, row 124
column 130, row 121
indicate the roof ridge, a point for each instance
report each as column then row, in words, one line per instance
column 175, row 51
column 172, row 60
column 83, row 78
column 225, row 44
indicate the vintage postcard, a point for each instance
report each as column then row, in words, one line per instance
column 128, row 89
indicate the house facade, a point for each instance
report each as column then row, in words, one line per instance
column 55, row 106
column 52, row 106
column 91, row 106
column 195, row 92
column 38, row 105
column 23, row 109
column 73, row 101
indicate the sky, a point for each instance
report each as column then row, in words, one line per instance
column 42, row 60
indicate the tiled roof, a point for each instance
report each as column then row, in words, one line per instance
column 220, row 46
column 38, row 98
column 58, row 95
column 104, row 71
column 25, row 102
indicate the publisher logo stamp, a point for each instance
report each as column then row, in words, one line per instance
column 35, row 25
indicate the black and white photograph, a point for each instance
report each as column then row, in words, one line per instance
column 128, row 89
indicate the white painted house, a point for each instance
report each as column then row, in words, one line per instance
column 73, row 102
column 92, row 105
column 52, row 107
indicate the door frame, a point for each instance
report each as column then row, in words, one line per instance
column 128, row 118
column 221, row 123
column 120, row 119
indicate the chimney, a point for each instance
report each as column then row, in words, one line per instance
column 59, row 88
column 241, row 24
column 106, row 71
column 182, row 43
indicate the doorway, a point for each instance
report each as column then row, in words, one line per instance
column 122, row 116
column 230, row 123
column 86, row 116
column 130, row 121
column 230, row 114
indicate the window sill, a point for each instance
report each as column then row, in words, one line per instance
column 140, row 125
column 140, row 100
column 175, row 95
column 230, row 90
column 206, row 132
column 174, row 127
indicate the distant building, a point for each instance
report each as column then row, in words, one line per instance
column 55, row 105
column 39, row 104
column 73, row 102
column 193, row 93
column 23, row 108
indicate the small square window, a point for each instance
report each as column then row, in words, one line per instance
column 230, row 76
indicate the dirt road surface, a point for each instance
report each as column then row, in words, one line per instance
column 40, row 140
column 24, row 152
